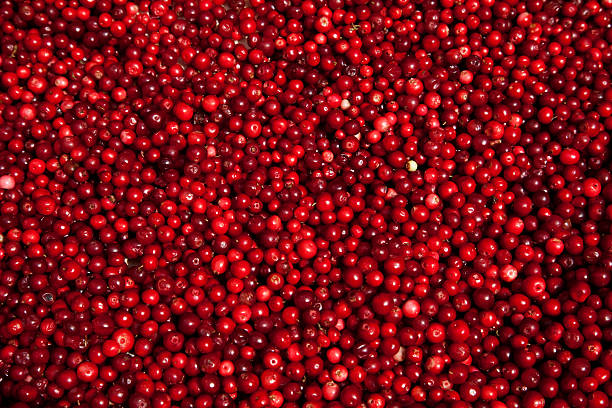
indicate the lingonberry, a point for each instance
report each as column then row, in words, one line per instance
column 312, row 203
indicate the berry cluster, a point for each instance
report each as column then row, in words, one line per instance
column 305, row 203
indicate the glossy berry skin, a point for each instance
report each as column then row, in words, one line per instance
column 313, row 203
